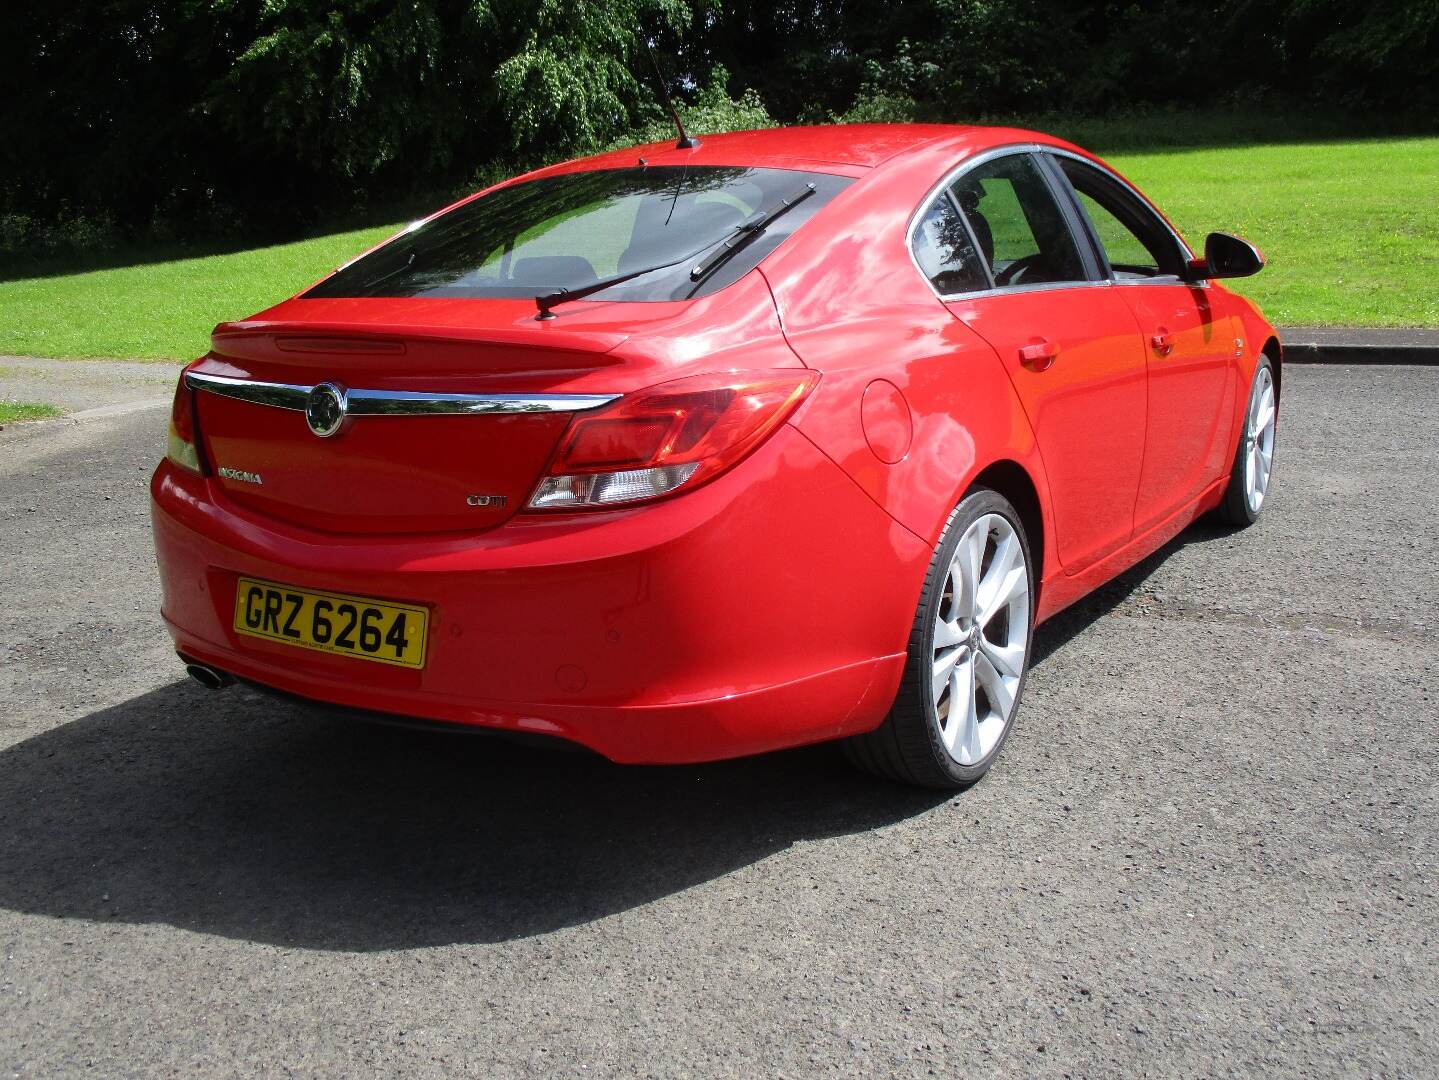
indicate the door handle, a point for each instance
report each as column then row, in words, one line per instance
column 1039, row 354
column 1163, row 341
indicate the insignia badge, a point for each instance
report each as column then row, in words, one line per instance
column 240, row 475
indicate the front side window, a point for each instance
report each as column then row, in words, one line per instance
column 1018, row 224
column 577, row 229
column 1135, row 242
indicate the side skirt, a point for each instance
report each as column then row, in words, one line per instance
column 1060, row 590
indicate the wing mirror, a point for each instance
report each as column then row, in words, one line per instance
column 1226, row 256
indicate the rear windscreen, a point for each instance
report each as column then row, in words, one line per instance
column 573, row 230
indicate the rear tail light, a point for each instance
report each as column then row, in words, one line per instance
column 676, row 435
column 182, row 445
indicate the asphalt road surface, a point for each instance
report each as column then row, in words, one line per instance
column 1209, row 848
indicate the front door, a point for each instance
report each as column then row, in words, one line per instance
column 1190, row 352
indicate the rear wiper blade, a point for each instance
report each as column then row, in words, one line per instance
column 734, row 241
column 748, row 232
column 549, row 300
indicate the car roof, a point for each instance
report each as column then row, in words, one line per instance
column 847, row 149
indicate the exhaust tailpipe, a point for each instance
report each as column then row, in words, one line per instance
column 208, row 677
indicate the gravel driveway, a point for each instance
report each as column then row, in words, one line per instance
column 81, row 386
column 1209, row 848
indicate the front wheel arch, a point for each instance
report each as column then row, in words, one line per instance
column 1275, row 352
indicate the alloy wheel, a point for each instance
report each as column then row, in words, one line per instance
column 1259, row 439
column 980, row 639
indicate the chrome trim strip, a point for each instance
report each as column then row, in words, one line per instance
column 1008, row 290
column 938, row 190
column 397, row 402
column 408, row 403
column 280, row 395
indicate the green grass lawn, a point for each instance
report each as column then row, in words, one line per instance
column 161, row 310
column 25, row 410
column 1350, row 228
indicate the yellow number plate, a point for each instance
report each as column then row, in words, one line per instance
column 332, row 622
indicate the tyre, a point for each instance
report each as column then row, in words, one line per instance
column 1254, row 456
column 967, row 657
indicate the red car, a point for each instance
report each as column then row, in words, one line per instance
column 689, row 453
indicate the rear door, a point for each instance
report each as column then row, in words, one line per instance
column 1190, row 351
column 1069, row 345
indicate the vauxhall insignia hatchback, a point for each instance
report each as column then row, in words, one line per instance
column 690, row 453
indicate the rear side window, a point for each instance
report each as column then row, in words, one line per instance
column 945, row 250
column 573, row 230
column 1019, row 226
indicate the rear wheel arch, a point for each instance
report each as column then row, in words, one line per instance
column 1012, row 480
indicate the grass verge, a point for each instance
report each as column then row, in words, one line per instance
column 1348, row 226
column 11, row 411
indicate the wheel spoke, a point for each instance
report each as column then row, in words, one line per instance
column 958, row 609
column 961, row 729
column 944, row 665
column 1006, row 588
column 947, row 634
column 998, row 584
column 1008, row 660
column 1265, row 418
column 1014, row 586
column 967, row 561
column 995, row 687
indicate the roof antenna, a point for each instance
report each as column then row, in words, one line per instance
column 686, row 141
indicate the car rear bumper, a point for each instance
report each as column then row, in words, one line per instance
column 769, row 608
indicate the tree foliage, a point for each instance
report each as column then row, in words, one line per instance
column 196, row 115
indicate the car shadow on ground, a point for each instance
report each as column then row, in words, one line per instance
column 1072, row 621
column 240, row 815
